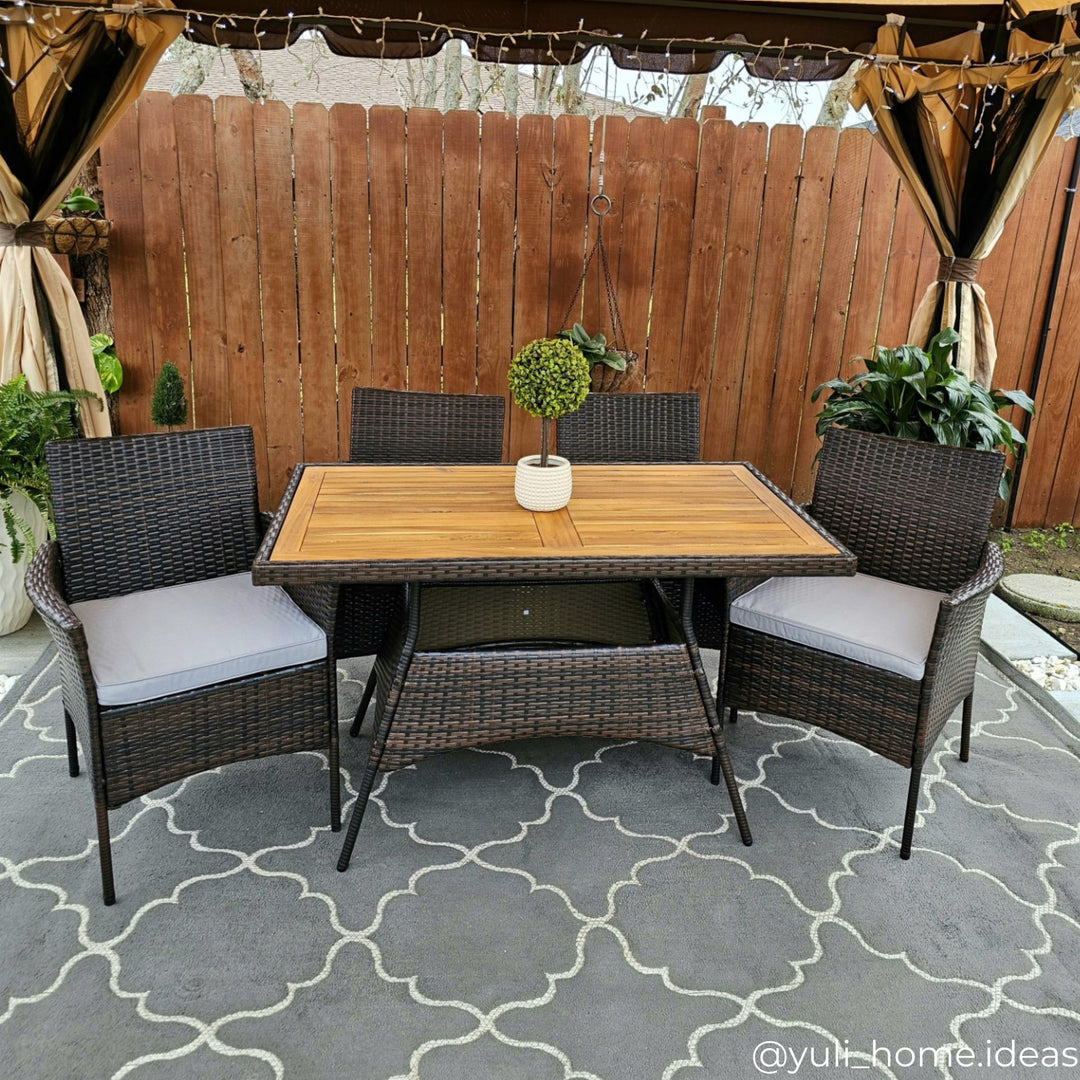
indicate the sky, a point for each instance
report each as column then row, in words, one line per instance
column 745, row 98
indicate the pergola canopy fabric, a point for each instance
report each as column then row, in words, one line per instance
column 67, row 76
column 967, row 141
column 678, row 36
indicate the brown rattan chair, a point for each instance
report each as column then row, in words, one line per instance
column 884, row 658
column 394, row 427
column 612, row 429
column 172, row 662
column 629, row 428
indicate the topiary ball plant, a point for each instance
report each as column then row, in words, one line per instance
column 548, row 379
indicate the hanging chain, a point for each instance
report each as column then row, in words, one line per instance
column 601, row 207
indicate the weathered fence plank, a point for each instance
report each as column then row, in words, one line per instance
column 461, row 203
column 235, row 151
column 121, row 181
column 277, row 264
column 352, row 258
column 386, row 162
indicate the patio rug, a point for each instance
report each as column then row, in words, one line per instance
column 553, row 909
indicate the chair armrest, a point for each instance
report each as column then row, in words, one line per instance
column 44, row 586
column 950, row 663
column 317, row 602
column 320, row 604
column 982, row 582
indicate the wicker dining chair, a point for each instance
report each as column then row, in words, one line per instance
column 885, row 657
column 395, row 427
column 629, row 428
column 172, row 662
column 636, row 428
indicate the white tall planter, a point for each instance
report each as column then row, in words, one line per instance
column 15, row 606
column 547, row 488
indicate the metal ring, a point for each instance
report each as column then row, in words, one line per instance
column 596, row 199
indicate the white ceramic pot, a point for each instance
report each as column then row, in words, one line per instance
column 15, row 606
column 547, row 488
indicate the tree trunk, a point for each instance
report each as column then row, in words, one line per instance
column 429, row 65
column 835, row 106
column 692, row 93
column 472, row 84
column 572, row 96
column 544, row 83
column 192, row 65
column 452, row 89
column 249, row 68
column 509, row 75
column 94, row 271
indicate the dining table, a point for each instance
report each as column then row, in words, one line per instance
column 516, row 623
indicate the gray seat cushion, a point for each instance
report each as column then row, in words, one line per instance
column 863, row 618
column 158, row 642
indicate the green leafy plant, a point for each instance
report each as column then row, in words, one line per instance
column 1005, row 543
column 1037, row 540
column 168, row 406
column 107, row 363
column 595, row 348
column 1063, row 533
column 78, row 202
column 914, row 393
column 548, row 379
column 28, row 421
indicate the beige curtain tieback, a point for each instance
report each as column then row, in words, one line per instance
column 25, row 234
column 951, row 268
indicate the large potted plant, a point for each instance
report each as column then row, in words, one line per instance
column 914, row 393
column 548, row 379
column 28, row 421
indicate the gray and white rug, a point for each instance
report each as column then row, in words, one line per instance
column 553, row 909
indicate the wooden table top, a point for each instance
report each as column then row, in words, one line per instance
column 461, row 522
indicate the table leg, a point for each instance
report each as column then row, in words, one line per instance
column 721, row 761
column 382, row 728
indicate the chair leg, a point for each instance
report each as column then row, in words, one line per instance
column 965, row 727
column 72, row 745
column 334, row 757
column 733, row 715
column 369, row 689
column 108, row 889
column 912, row 806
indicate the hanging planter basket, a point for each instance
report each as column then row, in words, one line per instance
column 603, row 378
column 76, row 235
column 607, row 380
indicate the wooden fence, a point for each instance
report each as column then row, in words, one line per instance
column 280, row 260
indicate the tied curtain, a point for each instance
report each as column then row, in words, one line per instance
column 967, row 137
column 66, row 77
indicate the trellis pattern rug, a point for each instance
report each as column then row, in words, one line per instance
column 553, row 909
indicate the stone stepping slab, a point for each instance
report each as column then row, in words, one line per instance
column 1043, row 594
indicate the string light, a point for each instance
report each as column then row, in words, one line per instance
column 578, row 37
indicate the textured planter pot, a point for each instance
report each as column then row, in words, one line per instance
column 606, row 380
column 543, row 489
column 15, row 606
column 76, row 235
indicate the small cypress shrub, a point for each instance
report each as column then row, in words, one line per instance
column 168, row 406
